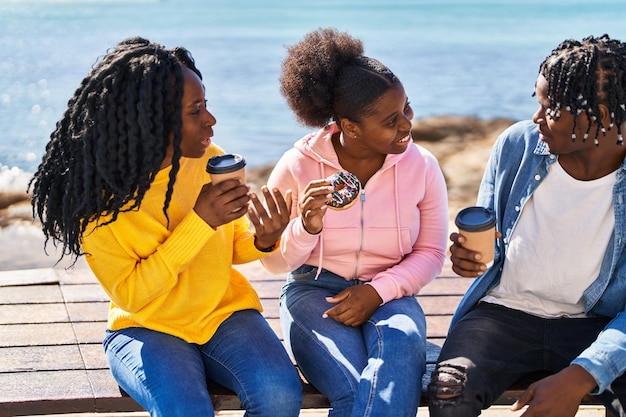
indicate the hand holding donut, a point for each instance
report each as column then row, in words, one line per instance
column 339, row 192
column 313, row 204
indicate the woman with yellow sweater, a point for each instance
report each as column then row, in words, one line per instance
column 123, row 182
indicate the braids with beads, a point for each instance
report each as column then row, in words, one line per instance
column 111, row 141
column 583, row 75
column 326, row 77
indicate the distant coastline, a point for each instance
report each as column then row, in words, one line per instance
column 460, row 143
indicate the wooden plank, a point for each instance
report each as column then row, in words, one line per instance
column 33, row 313
column 82, row 293
column 106, row 391
column 93, row 356
column 93, row 311
column 40, row 358
column 28, row 277
column 90, row 332
column 54, row 406
column 268, row 289
column 447, row 286
column 45, row 385
column 439, row 304
column 15, row 335
column 31, row 294
column 254, row 271
column 437, row 326
column 76, row 275
column 270, row 308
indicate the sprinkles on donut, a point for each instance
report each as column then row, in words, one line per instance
column 347, row 188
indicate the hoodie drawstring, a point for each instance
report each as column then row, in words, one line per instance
column 397, row 204
column 321, row 255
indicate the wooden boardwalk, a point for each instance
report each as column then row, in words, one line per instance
column 52, row 322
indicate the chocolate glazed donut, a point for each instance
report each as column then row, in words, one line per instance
column 347, row 188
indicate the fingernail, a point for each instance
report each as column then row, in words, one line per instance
column 324, row 316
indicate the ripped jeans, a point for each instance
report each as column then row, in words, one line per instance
column 492, row 346
column 374, row 369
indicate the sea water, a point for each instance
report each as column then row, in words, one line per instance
column 454, row 57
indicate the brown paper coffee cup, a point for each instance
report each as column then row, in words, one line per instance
column 477, row 225
column 223, row 167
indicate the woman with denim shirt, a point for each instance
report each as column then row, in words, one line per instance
column 554, row 299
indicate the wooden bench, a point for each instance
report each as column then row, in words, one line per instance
column 52, row 322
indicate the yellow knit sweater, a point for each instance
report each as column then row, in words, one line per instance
column 176, row 279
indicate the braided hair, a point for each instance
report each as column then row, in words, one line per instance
column 326, row 77
column 583, row 75
column 111, row 141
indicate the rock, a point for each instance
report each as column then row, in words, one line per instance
column 462, row 146
column 11, row 197
column 14, row 206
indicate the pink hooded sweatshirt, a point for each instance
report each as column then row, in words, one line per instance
column 394, row 238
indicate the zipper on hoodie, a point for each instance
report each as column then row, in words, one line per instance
column 356, row 265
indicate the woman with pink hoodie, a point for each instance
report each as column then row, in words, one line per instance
column 348, row 310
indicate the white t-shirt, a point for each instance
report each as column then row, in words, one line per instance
column 557, row 246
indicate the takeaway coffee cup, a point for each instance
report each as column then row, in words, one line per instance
column 223, row 167
column 477, row 225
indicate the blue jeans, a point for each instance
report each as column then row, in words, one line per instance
column 372, row 370
column 492, row 346
column 168, row 376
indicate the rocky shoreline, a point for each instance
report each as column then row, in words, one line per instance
column 460, row 143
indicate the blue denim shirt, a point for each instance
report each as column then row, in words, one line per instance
column 518, row 163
